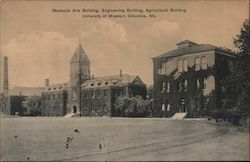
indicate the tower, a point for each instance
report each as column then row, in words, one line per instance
column 79, row 72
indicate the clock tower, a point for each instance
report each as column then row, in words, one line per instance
column 79, row 73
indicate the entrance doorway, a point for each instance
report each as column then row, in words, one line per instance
column 74, row 109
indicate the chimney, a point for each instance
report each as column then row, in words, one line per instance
column 5, row 75
column 46, row 82
column 120, row 73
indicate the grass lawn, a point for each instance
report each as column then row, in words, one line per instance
column 86, row 139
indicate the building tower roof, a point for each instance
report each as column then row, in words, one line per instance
column 80, row 55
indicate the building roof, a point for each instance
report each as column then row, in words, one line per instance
column 56, row 87
column 26, row 91
column 195, row 48
column 186, row 42
column 80, row 55
column 113, row 80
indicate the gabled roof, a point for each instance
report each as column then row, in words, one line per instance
column 56, row 87
column 195, row 48
column 80, row 55
column 113, row 80
column 26, row 91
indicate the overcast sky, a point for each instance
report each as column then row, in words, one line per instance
column 39, row 43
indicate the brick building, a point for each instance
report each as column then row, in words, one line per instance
column 81, row 96
column 188, row 79
column 99, row 94
column 88, row 96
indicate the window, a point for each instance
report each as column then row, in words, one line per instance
column 204, row 62
column 179, row 65
column 198, row 83
column 197, row 63
column 185, row 65
column 168, row 87
column 163, row 107
column 205, row 83
column 159, row 71
column 163, row 86
column 164, row 69
column 105, row 93
column 93, row 94
column 168, row 107
column 185, row 85
column 179, row 86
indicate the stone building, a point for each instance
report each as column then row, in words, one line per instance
column 187, row 80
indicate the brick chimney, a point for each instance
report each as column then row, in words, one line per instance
column 46, row 82
column 5, row 75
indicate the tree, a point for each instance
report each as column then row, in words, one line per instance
column 237, row 85
column 32, row 106
column 132, row 107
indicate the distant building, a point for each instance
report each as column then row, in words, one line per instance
column 13, row 99
column 188, row 79
column 99, row 94
column 88, row 96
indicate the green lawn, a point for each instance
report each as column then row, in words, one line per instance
column 72, row 139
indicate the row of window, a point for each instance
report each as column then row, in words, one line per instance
column 53, row 97
column 114, row 82
column 182, row 85
column 103, row 93
column 95, row 94
column 182, row 65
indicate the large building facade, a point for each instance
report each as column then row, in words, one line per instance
column 188, row 79
column 85, row 95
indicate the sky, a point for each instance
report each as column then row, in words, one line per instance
column 40, row 43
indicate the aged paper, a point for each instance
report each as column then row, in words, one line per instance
column 123, row 80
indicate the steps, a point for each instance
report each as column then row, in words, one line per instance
column 70, row 115
column 179, row 116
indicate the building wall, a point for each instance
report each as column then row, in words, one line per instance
column 101, row 101
column 185, row 90
column 54, row 103
column 4, row 104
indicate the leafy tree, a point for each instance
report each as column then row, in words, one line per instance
column 132, row 107
column 237, row 85
column 32, row 106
